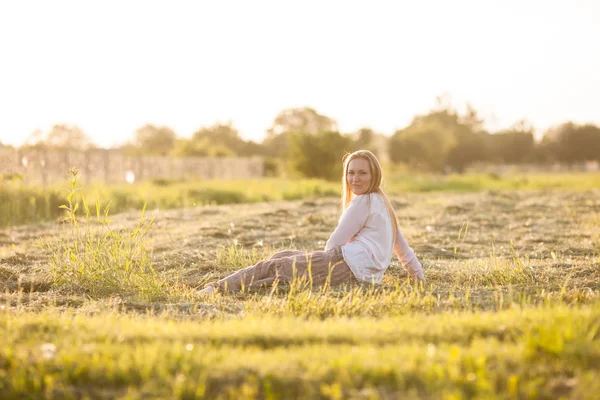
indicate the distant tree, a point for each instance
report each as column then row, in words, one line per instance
column 515, row 145
column 129, row 148
column 225, row 136
column 252, row 148
column 220, row 134
column 440, row 139
column 363, row 138
column 290, row 121
column 571, row 143
column 422, row 146
column 367, row 139
column 200, row 148
column 153, row 140
column 69, row 136
column 60, row 136
column 470, row 147
column 190, row 148
column 221, row 151
column 426, row 142
column 589, row 141
column 471, row 119
column 276, row 146
column 318, row 155
column 304, row 119
column 471, row 140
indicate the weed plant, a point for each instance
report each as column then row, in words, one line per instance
column 98, row 260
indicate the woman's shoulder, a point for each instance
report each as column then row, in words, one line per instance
column 372, row 200
column 366, row 196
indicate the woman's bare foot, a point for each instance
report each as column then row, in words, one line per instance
column 206, row 291
column 420, row 277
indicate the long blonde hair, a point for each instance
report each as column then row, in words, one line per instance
column 374, row 187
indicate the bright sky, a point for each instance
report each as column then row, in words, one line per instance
column 112, row 66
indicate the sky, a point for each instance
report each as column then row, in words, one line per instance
column 111, row 67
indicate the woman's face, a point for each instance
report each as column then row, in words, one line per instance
column 359, row 176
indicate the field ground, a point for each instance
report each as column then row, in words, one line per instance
column 510, row 309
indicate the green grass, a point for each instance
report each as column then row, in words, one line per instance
column 529, row 352
column 479, row 182
column 26, row 204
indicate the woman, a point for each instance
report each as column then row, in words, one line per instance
column 360, row 248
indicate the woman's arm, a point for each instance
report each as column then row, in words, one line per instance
column 407, row 257
column 351, row 222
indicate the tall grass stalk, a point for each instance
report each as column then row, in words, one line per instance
column 98, row 260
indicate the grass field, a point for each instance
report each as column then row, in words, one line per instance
column 23, row 203
column 510, row 309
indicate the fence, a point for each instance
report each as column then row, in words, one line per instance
column 45, row 167
column 501, row 169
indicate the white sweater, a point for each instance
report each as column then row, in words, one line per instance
column 365, row 234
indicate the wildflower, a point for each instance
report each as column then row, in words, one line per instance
column 430, row 350
column 48, row 350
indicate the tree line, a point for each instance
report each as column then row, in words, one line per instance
column 303, row 142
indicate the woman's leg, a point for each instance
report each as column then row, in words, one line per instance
column 287, row 253
column 241, row 278
column 318, row 267
column 262, row 273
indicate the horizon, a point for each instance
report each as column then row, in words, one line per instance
column 113, row 68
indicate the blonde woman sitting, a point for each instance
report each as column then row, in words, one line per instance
column 360, row 248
